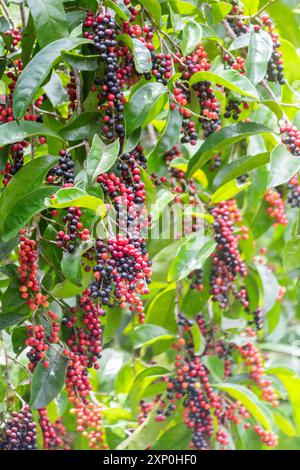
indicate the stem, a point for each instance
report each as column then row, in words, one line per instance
column 152, row 134
column 23, row 15
column 79, row 103
column 6, row 12
column 264, row 8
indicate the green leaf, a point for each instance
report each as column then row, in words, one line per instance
column 270, row 286
column 149, row 188
column 153, row 8
column 145, row 433
column 20, row 214
column 191, row 36
column 291, row 254
column 215, row 365
column 219, row 11
column 191, row 255
column 284, row 166
column 161, row 310
column 240, row 42
column 49, row 20
column 141, row 55
column 220, row 140
column 250, row 402
column 10, row 319
column 12, row 132
column 292, row 386
column 230, row 79
column 259, row 54
column 48, row 382
column 55, row 91
column 198, row 340
column 71, row 263
column 240, row 167
column 177, row 437
column 148, row 95
column 18, row 339
column 37, row 71
column 228, row 191
column 250, row 6
column 80, row 61
column 119, row 7
column 29, row 178
column 68, row 197
column 84, row 126
column 146, row 335
column 168, row 139
column 101, row 157
column 71, row 267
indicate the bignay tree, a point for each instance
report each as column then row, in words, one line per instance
column 149, row 229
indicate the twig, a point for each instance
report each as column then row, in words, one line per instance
column 229, row 29
column 152, row 134
column 23, row 16
column 264, row 8
column 6, row 12
column 79, row 103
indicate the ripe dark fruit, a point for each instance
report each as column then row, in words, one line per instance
column 19, row 432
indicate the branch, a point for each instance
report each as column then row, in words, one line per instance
column 79, row 103
column 6, row 12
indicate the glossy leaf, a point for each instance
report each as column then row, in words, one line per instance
column 12, row 132
column 191, row 255
column 20, row 214
column 49, row 19
column 135, row 114
column 29, row 178
column 270, row 286
column 230, row 79
column 101, row 157
column 284, row 166
column 241, row 166
column 81, row 127
column 250, row 402
column 142, row 56
column 228, row 191
column 220, row 140
column 191, row 36
column 68, row 197
column 259, row 54
column 80, row 61
column 167, row 140
column 119, row 7
column 48, row 382
column 37, row 70
column 154, row 9
column 291, row 254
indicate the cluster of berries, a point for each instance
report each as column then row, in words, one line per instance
column 90, row 424
column 293, row 198
column 202, row 406
column 71, row 90
column 253, row 359
column 68, row 238
column 275, row 72
column 196, row 278
column 63, row 173
column 15, row 161
column 28, row 270
column 50, row 431
column 19, row 432
column 276, row 209
column 104, row 32
column 226, row 260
